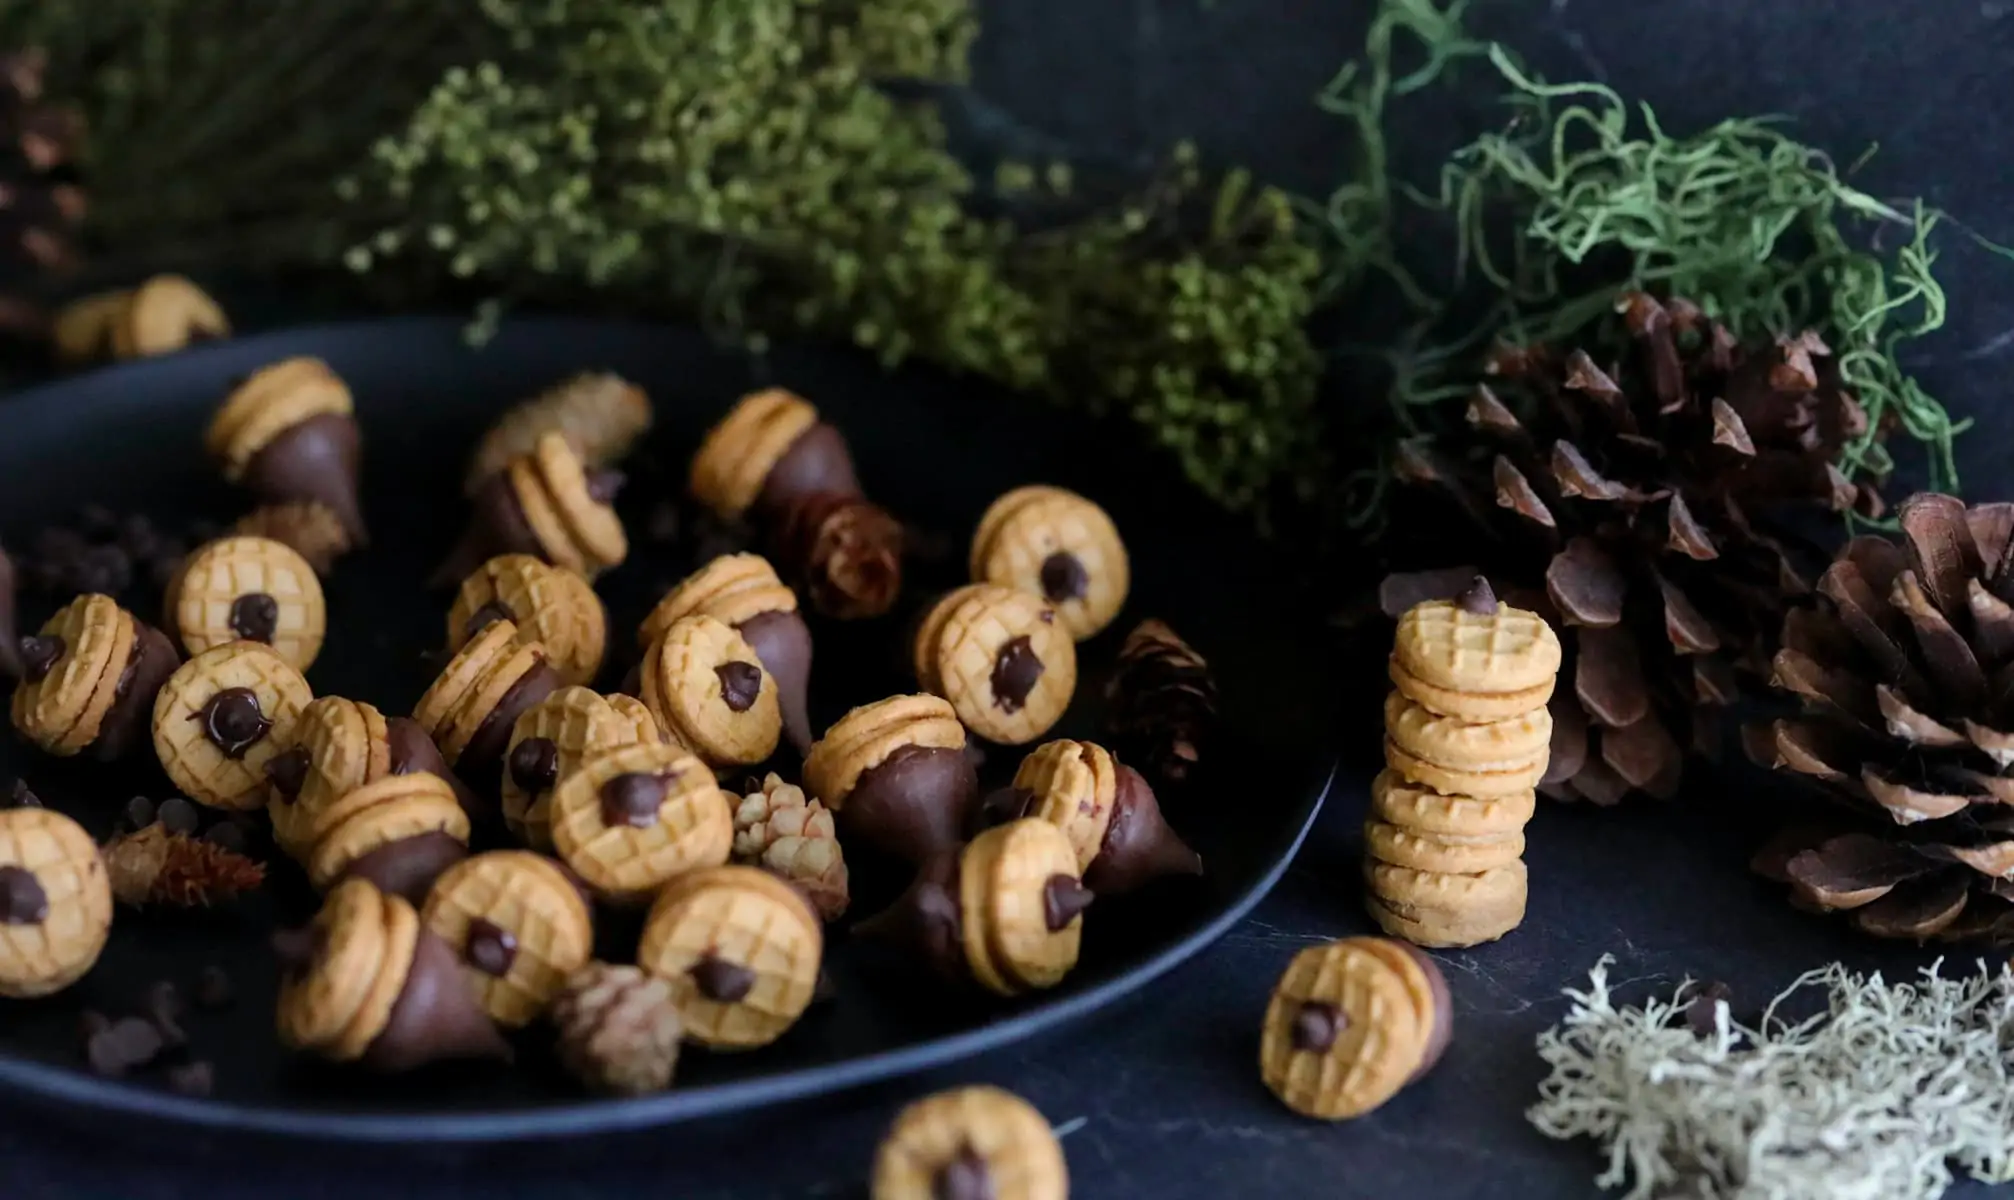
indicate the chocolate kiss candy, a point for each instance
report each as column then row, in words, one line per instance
column 1139, row 847
column 409, row 866
column 818, row 461
column 914, row 803
column 496, row 526
column 436, row 1016
column 10, row 633
column 412, row 752
column 926, row 920
column 315, row 460
column 783, row 642
column 130, row 719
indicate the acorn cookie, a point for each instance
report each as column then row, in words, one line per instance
column 400, row 832
column 89, row 679
column 366, row 982
column 1474, row 658
column 632, row 818
column 549, row 605
column 895, row 775
column 1350, row 1023
column 249, row 589
column 55, row 902
column 222, row 717
column 600, row 415
column 970, row 1143
column 741, row 950
column 710, row 693
column 1107, row 810
column 547, row 504
column 1005, row 910
column 1059, row 546
column 165, row 314
column 340, row 745
column 289, row 433
column 548, row 743
column 478, row 697
column 743, row 591
column 768, row 452
column 519, row 925
column 1002, row 659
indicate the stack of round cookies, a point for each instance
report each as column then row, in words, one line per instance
column 1467, row 739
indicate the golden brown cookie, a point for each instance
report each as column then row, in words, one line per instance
column 735, row 459
column 83, row 327
column 476, row 699
column 710, row 692
column 1058, row 545
column 631, row 819
column 1453, row 853
column 732, row 588
column 1494, row 780
column 1073, row 786
column 271, row 401
column 1349, row 1024
column 1431, row 908
column 72, row 671
column 222, row 716
column 1002, row 659
column 1476, row 646
column 970, row 1142
column 366, row 830
column 600, row 415
column 548, row 743
column 165, row 314
column 895, row 774
column 1468, row 706
column 549, row 605
column 1021, row 929
column 576, row 523
column 741, row 950
column 520, row 925
column 339, row 745
column 250, row 589
column 55, row 902
column 1466, row 745
column 637, row 714
column 1424, row 810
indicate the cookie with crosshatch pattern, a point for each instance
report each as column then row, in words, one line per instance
column 1001, row 658
column 552, row 606
column 222, row 717
column 970, row 1142
column 710, row 693
column 631, row 819
column 400, row 832
column 1474, row 646
column 249, row 589
column 55, row 902
column 519, row 925
column 1055, row 544
column 1350, row 1023
column 549, row 742
column 741, row 949
column 90, row 678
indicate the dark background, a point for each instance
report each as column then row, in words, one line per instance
column 1161, row 1098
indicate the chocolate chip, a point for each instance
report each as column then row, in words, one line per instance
column 288, row 773
column 1015, row 670
column 255, row 616
column 740, row 684
column 164, row 1008
column 20, row 797
column 296, row 949
column 490, row 948
column 233, row 721
column 1316, row 1026
column 124, row 1044
column 1477, row 598
column 138, row 813
column 194, row 1078
column 604, row 485
column 228, row 834
column 213, row 988
column 721, row 981
column 965, row 1177
column 177, row 815
column 632, row 799
column 486, row 616
column 39, row 655
column 534, row 764
column 1064, row 577
column 22, row 900
column 1063, row 900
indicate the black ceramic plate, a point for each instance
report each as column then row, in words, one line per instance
column 130, row 438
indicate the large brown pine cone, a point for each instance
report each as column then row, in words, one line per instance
column 1626, row 505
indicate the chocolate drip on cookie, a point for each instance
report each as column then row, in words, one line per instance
column 740, row 684
column 314, row 460
column 783, row 642
column 1016, row 671
column 233, row 721
column 914, row 803
column 1064, row 577
column 255, row 617
column 22, row 900
column 926, row 920
column 436, row 1016
column 1138, row 846
column 633, row 799
column 130, row 718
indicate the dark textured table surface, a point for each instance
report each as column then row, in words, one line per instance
column 1161, row 1098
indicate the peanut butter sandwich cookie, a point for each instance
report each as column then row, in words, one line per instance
column 1059, row 546
column 89, row 679
column 601, row 416
column 1424, row 810
column 222, row 717
column 1443, row 909
column 165, row 314
column 546, row 504
column 1107, row 810
column 400, row 832
column 473, row 704
column 741, row 950
column 768, row 452
column 366, row 982
column 710, row 693
column 1002, row 660
column 339, row 746
column 55, row 902
column 548, row 743
column 1351, row 1023
column 1474, row 658
column 970, row 1143
column 520, row 925
column 552, row 606
column 249, row 589
column 743, row 591
column 288, row 433
column 1495, row 758
column 630, row 819
column 896, row 776
column 1004, row 911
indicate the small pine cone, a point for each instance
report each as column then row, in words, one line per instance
column 618, row 1030
column 153, row 866
column 846, row 552
column 1161, row 702
column 600, row 416
column 792, row 837
column 312, row 530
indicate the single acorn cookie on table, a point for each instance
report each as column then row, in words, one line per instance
column 710, row 693
column 1107, row 810
column 970, row 1143
column 743, row 591
column 340, row 745
column 222, row 717
column 550, row 605
column 548, row 743
column 288, row 433
column 1059, row 546
column 1352, row 1022
column 249, row 589
column 1002, row 659
column 546, row 504
column 896, row 776
column 600, row 415
column 630, row 819
column 741, row 950
column 366, row 982
column 400, row 832
column 89, row 680
column 474, row 703
column 769, row 451
column 519, row 926
column 55, row 902
column 1005, row 910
